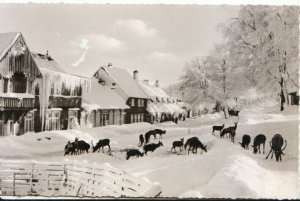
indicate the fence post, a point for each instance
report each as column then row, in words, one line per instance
column 31, row 185
column 14, row 184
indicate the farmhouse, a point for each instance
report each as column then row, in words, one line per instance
column 58, row 96
column 161, row 106
column 128, row 88
column 102, row 106
column 35, row 93
column 18, row 76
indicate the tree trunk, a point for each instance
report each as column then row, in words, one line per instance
column 226, row 113
column 282, row 97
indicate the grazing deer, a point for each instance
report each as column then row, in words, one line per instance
column 189, row 141
column 101, row 143
column 258, row 140
column 245, row 141
column 133, row 152
column 152, row 147
column 217, row 128
column 178, row 144
column 195, row 144
column 276, row 143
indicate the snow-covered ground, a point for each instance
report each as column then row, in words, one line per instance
column 225, row 171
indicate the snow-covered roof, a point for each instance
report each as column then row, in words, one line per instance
column 6, row 42
column 126, row 82
column 101, row 97
column 168, row 108
column 45, row 62
column 152, row 90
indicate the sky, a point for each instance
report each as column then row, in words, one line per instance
column 156, row 40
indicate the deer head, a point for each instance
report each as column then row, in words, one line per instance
column 205, row 148
column 278, row 153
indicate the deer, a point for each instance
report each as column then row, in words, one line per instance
column 133, row 152
column 159, row 132
column 276, row 143
column 195, row 144
column 217, row 128
column 245, row 141
column 101, row 143
column 230, row 131
column 189, row 141
column 70, row 148
column 141, row 140
column 258, row 140
column 148, row 135
column 152, row 147
column 81, row 145
column 178, row 144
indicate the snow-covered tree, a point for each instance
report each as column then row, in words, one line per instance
column 265, row 39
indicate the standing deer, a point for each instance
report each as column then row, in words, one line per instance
column 177, row 144
column 276, row 143
column 217, row 128
column 230, row 131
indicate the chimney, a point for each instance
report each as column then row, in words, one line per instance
column 136, row 75
column 157, row 83
column 109, row 65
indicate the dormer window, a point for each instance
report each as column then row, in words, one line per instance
column 102, row 82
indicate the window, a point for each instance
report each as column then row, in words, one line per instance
column 141, row 102
column 52, row 120
column 132, row 118
column 29, row 122
column 132, row 102
column 73, row 120
column 18, row 83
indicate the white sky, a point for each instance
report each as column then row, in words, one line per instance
column 156, row 40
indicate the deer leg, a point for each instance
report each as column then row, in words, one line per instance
column 269, row 153
column 263, row 148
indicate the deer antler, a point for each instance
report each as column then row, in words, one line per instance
column 284, row 146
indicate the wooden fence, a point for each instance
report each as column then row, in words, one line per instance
column 71, row 178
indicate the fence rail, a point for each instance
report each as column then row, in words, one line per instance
column 71, row 178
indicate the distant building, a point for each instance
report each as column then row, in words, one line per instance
column 161, row 106
column 127, row 87
column 102, row 106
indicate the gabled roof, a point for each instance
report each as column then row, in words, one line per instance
column 45, row 62
column 152, row 90
column 6, row 42
column 125, row 81
column 102, row 97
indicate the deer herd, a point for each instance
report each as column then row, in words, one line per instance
column 276, row 142
column 192, row 144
